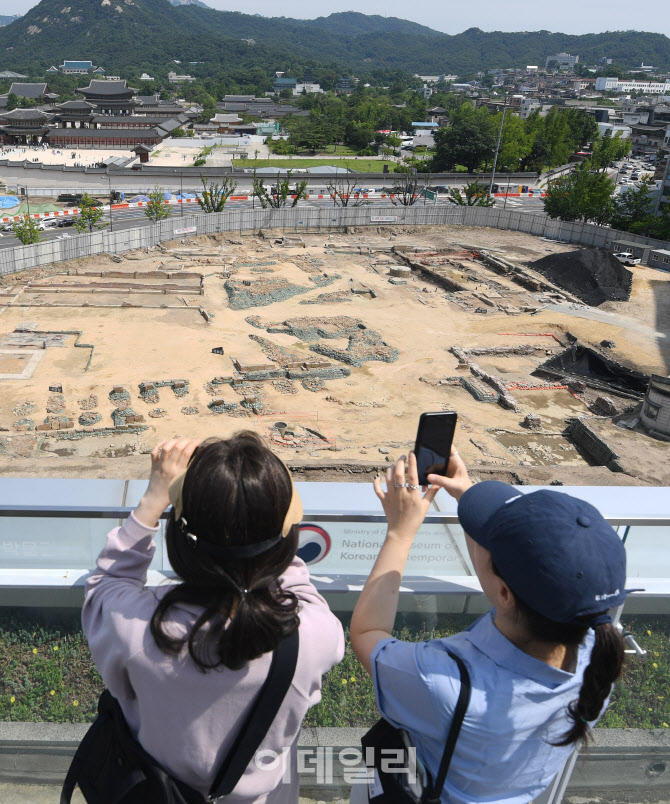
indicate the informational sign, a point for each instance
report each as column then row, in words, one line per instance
column 351, row 548
column 430, row 194
column 187, row 230
column 383, row 219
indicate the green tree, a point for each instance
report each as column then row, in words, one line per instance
column 474, row 194
column 214, row 196
column 633, row 210
column 156, row 209
column 470, row 141
column 558, row 137
column 12, row 102
column 90, row 215
column 607, row 149
column 582, row 195
column 516, row 143
column 279, row 195
column 27, row 230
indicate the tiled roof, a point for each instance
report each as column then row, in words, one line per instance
column 23, row 115
column 101, row 87
column 27, row 90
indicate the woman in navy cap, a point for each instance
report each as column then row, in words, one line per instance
column 542, row 662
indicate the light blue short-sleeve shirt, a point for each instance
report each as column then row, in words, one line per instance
column 518, row 707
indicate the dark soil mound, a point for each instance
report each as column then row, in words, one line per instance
column 596, row 369
column 591, row 274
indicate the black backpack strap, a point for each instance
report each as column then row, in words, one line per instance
column 433, row 792
column 263, row 712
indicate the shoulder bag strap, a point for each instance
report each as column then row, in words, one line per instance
column 433, row 793
column 263, row 712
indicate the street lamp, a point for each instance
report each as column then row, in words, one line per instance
column 495, row 158
column 27, row 199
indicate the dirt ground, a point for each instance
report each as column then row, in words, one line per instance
column 132, row 325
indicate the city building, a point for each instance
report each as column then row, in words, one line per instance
column 282, row 83
column 308, row 88
column 527, row 107
column 174, row 78
column 110, row 116
column 110, row 97
column 648, row 139
column 36, row 91
column 76, row 67
column 265, row 108
column 608, row 84
column 655, row 413
column 564, row 61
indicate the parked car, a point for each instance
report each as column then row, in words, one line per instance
column 61, row 223
column 627, row 258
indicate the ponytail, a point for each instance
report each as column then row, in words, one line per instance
column 603, row 670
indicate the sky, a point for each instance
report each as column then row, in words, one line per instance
column 568, row 16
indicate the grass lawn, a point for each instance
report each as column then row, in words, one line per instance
column 358, row 165
column 46, row 674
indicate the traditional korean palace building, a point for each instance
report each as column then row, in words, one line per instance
column 110, row 116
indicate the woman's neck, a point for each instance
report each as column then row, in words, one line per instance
column 555, row 654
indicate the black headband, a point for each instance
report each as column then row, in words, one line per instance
column 231, row 550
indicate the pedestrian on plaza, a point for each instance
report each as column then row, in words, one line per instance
column 541, row 663
column 187, row 661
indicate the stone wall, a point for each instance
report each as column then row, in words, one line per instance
column 592, row 445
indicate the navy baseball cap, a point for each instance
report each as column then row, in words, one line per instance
column 556, row 553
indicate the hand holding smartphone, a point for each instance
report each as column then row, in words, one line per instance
column 433, row 443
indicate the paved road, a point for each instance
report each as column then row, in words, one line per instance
column 134, row 217
column 607, row 318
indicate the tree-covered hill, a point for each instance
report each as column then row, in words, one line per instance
column 150, row 34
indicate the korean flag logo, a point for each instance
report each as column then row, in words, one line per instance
column 314, row 544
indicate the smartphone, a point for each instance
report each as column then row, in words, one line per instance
column 433, row 443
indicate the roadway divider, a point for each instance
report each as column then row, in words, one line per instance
column 63, row 213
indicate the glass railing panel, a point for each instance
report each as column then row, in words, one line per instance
column 55, row 543
column 647, row 550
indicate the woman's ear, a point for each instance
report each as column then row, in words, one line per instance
column 505, row 600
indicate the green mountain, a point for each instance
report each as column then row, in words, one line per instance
column 141, row 34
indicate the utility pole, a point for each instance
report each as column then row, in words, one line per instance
column 111, row 201
column 495, row 158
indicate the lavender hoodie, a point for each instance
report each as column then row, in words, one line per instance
column 186, row 719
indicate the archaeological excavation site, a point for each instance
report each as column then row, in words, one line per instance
column 329, row 346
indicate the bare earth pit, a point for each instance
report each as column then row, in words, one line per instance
column 317, row 351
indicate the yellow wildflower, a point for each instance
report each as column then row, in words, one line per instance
column 649, row 632
column 55, row 647
column 654, row 665
column 12, row 699
column 665, row 725
column 353, row 678
column 53, row 692
column 75, row 702
column 344, row 680
column 34, row 650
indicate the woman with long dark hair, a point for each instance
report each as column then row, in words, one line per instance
column 542, row 662
column 186, row 661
